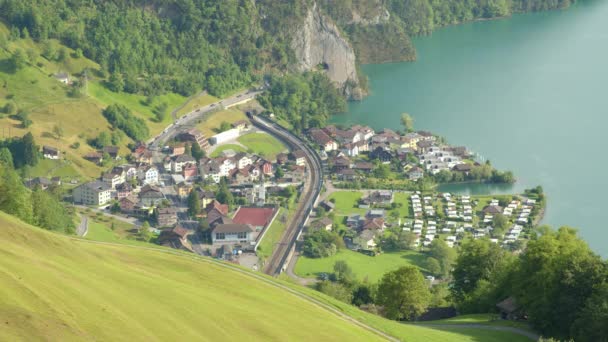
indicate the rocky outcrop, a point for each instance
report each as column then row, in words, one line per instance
column 318, row 44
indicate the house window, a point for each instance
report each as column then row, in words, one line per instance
column 242, row 235
column 220, row 236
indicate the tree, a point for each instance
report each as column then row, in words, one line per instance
column 363, row 294
column 592, row 322
column 194, row 206
column 433, row 266
column 478, row 260
column 445, row 256
column 407, row 122
column 116, row 83
column 224, row 195
column 224, row 126
column 58, row 131
column 500, row 224
column 335, row 290
column 343, row 273
column 30, row 150
column 18, row 60
column 197, row 152
column 144, row 231
column 49, row 213
column 404, row 293
column 102, row 140
column 278, row 173
column 14, row 196
column 555, row 280
column 6, row 158
column 320, row 244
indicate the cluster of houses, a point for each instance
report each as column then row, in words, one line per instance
column 341, row 148
column 460, row 217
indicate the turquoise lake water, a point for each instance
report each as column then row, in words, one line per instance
column 530, row 93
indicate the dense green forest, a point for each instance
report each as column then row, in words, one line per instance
column 156, row 46
column 305, row 100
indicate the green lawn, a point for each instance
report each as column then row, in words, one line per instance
column 363, row 266
column 262, row 144
column 137, row 104
column 212, row 121
column 53, row 168
column 484, row 318
column 236, row 148
column 273, row 236
column 346, row 202
column 55, row 288
column 404, row 199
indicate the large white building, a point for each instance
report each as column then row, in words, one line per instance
column 225, row 136
column 93, row 193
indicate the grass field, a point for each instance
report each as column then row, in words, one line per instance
column 274, row 233
column 53, row 168
column 57, row 288
column 372, row 268
column 212, row 122
column 236, row 148
column 404, row 199
column 263, row 144
column 347, row 202
column 137, row 105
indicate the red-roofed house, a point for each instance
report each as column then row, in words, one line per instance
column 258, row 218
column 222, row 208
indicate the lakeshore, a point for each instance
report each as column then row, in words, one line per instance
column 510, row 99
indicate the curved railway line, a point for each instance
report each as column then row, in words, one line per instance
column 277, row 262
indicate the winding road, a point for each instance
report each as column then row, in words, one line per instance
column 189, row 120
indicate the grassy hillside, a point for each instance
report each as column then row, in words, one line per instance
column 57, row 288
column 60, row 289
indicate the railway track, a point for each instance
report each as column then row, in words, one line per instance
column 310, row 192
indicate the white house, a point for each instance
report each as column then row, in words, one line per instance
column 49, row 152
column 242, row 160
column 232, row 233
column 93, row 193
column 226, row 166
column 148, row 175
column 180, row 161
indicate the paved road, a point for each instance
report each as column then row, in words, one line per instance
column 518, row 331
column 189, row 120
column 130, row 220
column 292, row 274
column 83, row 227
column 310, row 192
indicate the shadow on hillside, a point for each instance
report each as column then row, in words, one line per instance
column 6, row 66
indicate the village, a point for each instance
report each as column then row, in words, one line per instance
column 376, row 184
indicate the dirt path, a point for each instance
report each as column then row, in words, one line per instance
column 518, row 331
column 292, row 274
column 265, row 279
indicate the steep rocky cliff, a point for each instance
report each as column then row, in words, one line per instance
column 318, row 44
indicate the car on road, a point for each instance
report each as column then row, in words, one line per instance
column 212, row 105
